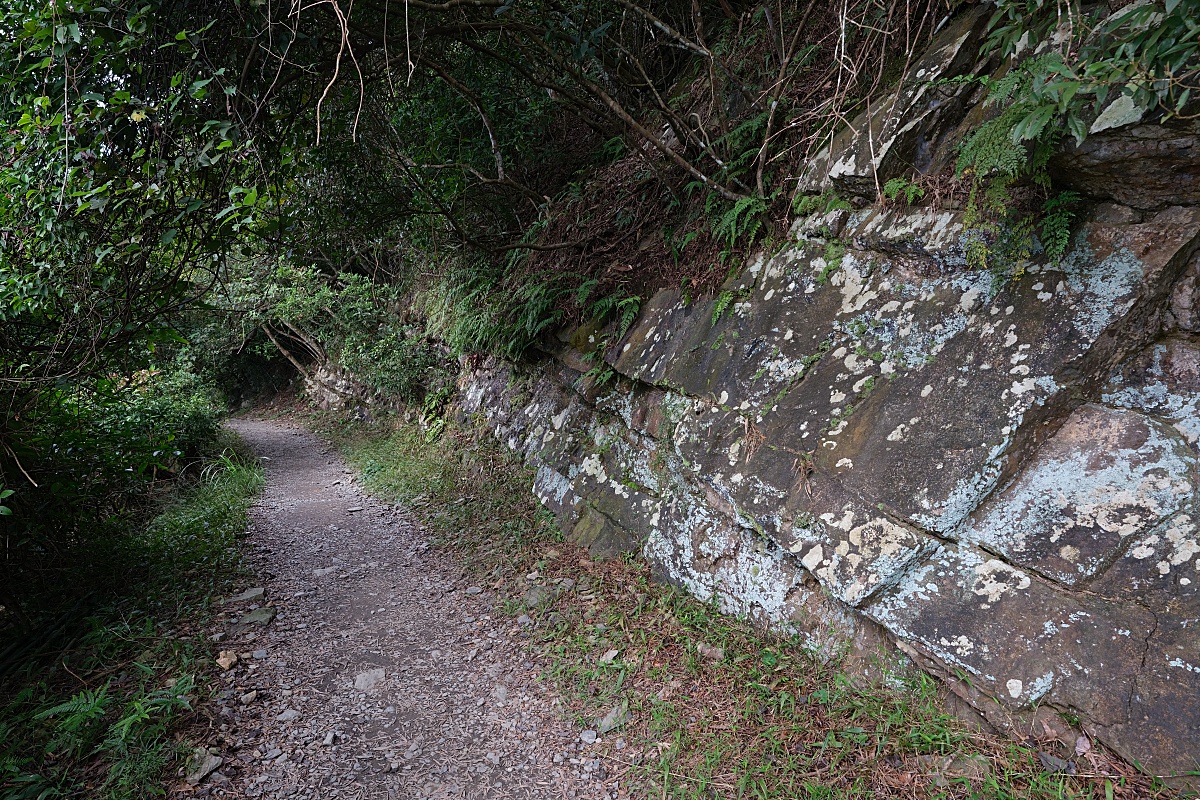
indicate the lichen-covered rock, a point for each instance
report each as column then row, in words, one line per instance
column 1163, row 380
column 1105, row 478
column 1006, row 371
column 1026, row 641
column 861, row 437
column 910, row 127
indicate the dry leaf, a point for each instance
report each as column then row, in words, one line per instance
column 226, row 659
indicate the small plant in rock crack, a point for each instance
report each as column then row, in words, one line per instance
column 902, row 187
column 1059, row 212
column 806, row 204
column 834, row 252
column 723, row 302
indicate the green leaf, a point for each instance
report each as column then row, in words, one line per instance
column 1077, row 128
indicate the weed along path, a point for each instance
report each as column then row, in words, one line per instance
column 369, row 667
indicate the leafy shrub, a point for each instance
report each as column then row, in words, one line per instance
column 1065, row 64
column 86, row 462
column 346, row 321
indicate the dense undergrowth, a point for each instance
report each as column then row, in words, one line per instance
column 584, row 222
column 87, row 463
column 90, row 706
column 716, row 707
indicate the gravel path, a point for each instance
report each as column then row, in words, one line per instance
column 383, row 674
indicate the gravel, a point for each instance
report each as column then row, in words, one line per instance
column 371, row 667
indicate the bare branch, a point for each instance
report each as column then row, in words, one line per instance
column 474, row 100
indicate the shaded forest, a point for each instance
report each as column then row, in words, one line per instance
column 203, row 202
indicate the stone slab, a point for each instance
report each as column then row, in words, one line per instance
column 933, row 442
column 1104, row 478
column 1143, row 166
column 1025, row 642
column 1163, row 380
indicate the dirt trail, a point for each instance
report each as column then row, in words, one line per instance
column 384, row 674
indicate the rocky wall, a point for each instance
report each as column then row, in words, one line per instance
column 997, row 476
column 865, row 442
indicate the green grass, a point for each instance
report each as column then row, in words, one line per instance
column 768, row 719
column 96, row 718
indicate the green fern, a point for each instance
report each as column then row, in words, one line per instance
column 1056, row 224
column 806, row 204
column 628, row 310
column 585, row 290
column 991, row 151
column 81, row 709
column 902, row 186
column 743, row 220
column 724, row 301
column 76, row 721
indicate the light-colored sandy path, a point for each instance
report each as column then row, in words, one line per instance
column 385, row 674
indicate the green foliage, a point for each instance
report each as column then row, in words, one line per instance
column 721, row 305
column 998, row 149
column 834, row 252
column 76, row 721
column 119, row 431
column 1057, row 214
column 1148, row 52
column 96, row 451
column 676, row 245
column 995, row 236
column 347, row 321
column 480, row 310
column 470, row 494
column 119, row 190
column 897, row 187
column 742, row 220
column 806, row 204
column 622, row 310
column 114, row 740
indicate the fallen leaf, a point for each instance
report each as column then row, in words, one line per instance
column 227, row 659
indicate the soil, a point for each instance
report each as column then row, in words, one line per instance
column 384, row 673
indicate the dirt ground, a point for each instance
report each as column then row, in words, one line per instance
column 384, row 673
